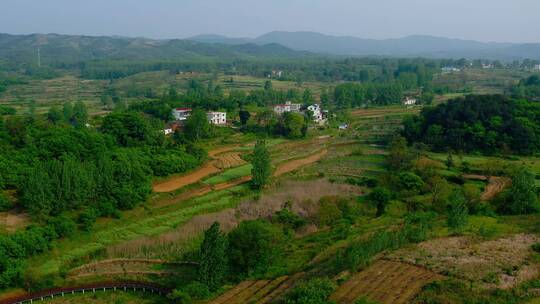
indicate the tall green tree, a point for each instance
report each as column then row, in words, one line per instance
column 253, row 247
column 261, row 170
column 380, row 197
column 293, row 125
column 399, row 157
column 197, row 126
column 522, row 197
column 457, row 212
column 213, row 264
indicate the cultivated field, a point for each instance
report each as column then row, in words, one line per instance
column 258, row 292
column 386, row 282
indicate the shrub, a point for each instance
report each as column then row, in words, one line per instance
column 179, row 297
column 536, row 247
column 197, row 291
column 328, row 213
column 62, row 225
column 5, row 204
column 315, row 291
column 289, row 219
column 87, row 219
column 253, row 247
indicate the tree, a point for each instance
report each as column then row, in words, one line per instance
column 253, row 247
column 213, row 263
column 398, row 158
column 293, row 125
column 244, row 117
column 308, row 97
column 522, row 197
column 268, row 85
column 54, row 115
column 440, row 190
column 380, row 197
column 261, row 170
column 80, row 114
column 457, row 213
column 197, row 126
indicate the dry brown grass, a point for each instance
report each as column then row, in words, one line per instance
column 501, row 263
column 300, row 195
column 12, row 221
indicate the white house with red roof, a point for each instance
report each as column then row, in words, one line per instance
column 287, row 107
column 181, row 114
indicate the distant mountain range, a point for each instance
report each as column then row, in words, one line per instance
column 73, row 49
column 412, row 46
column 66, row 49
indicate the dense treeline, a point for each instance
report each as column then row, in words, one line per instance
column 65, row 171
column 528, row 88
column 489, row 124
column 299, row 70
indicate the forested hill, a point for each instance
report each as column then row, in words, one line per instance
column 412, row 46
column 65, row 49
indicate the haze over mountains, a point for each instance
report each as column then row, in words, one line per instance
column 71, row 49
column 417, row 46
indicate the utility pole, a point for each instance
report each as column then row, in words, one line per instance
column 38, row 58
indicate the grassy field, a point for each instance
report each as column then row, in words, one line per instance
column 481, row 81
column 109, row 297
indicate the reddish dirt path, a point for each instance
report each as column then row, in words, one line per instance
column 297, row 163
column 208, row 169
column 496, row 185
column 282, row 169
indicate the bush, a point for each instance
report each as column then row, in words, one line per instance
column 62, row 225
column 253, row 247
column 329, row 213
column 289, row 219
column 536, row 247
column 197, row 291
column 5, row 204
column 315, row 291
column 87, row 219
column 179, row 297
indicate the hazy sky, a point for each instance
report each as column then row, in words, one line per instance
column 485, row 20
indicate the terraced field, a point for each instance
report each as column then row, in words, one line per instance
column 385, row 282
column 258, row 292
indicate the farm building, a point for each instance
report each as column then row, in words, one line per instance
column 181, row 114
column 318, row 115
column 409, row 101
column 287, row 107
column 217, row 118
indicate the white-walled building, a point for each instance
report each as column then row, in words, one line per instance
column 181, row 114
column 537, row 67
column 217, row 118
column 318, row 115
column 287, row 107
column 409, row 101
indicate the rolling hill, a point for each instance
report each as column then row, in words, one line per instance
column 412, row 46
column 66, row 49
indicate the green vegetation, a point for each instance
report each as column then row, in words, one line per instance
column 261, row 170
column 489, row 124
column 213, row 262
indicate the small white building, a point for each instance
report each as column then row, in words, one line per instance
column 217, row 118
column 168, row 131
column 287, row 107
column 450, row 69
column 409, row 101
column 181, row 114
column 537, row 67
column 318, row 115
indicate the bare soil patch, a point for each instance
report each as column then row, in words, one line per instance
column 12, row 221
column 495, row 186
column 296, row 164
column 501, row 263
column 216, row 165
column 385, row 282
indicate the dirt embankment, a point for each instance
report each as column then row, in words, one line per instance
column 495, row 186
column 217, row 164
column 298, row 163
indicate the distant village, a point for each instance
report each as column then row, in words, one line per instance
column 319, row 116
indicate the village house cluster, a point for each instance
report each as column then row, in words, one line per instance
column 182, row 114
column 319, row 115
